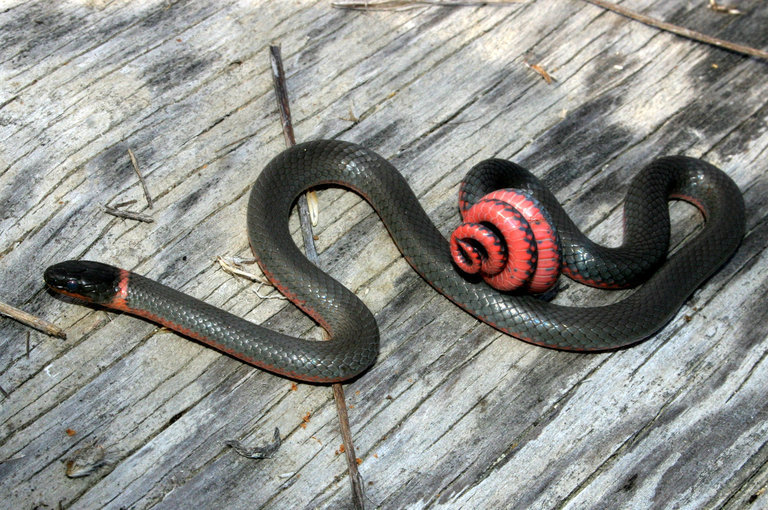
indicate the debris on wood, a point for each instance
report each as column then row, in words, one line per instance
column 354, row 119
column 259, row 452
column 681, row 31
column 313, row 206
column 32, row 321
column 726, row 9
column 141, row 178
column 129, row 215
column 539, row 69
column 125, row 203
column 405, row 5
column 87, row 460
column 235, row 268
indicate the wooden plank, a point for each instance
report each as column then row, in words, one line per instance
column 453, row 414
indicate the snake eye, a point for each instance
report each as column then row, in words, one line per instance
column 71, row 285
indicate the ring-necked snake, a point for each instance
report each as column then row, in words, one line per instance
column 353, row 346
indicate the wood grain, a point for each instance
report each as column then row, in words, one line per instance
column 453, row 414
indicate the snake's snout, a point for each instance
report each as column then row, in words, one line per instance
column 83, row 279
column 60, row 276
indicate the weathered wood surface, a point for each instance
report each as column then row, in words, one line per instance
column 454, row 414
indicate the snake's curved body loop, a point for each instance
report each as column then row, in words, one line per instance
column 354, row 335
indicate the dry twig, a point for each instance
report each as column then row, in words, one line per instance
column 126, row 203
column 32, row 321
column 141, row 178
column 234, row 269
column 278, row 76
column 281, row 93
column 404, row 5
column 398, row 5
column 681, row 31
column 131, row 215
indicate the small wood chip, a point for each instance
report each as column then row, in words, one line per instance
column 541, row 71
column 727, row 9
column 313, row 205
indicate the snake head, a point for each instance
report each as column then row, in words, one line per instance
column 83, row 279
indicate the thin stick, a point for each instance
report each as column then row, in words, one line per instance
column 233, row 269
column 395, row 5
column 281, row 94
column 124, row 204
column 32, row 321
column 349, row 447
column 131, row 215
column 682, row 32
column 141, row 178
column 281, row 91
column 402, row 5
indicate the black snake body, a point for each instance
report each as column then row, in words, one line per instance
column 354, row 334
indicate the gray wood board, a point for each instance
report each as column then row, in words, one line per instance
column 454, row 414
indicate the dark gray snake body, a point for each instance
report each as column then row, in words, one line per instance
column 354, row 334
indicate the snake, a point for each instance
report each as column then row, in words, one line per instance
column 664, row 282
